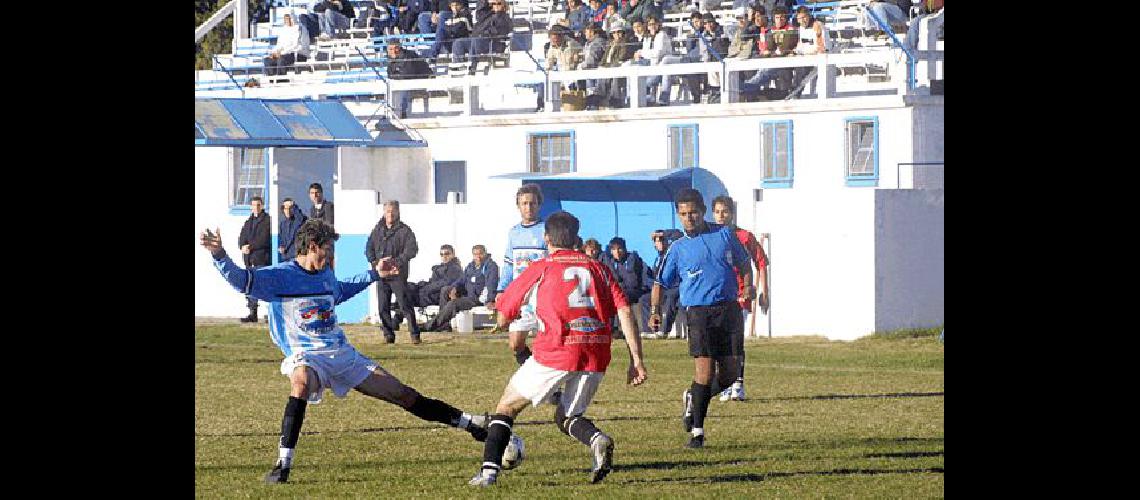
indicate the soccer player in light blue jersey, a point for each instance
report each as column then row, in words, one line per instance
column 302, row 294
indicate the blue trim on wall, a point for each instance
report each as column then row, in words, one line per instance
column 573, row 145
column 863, row 180
column 350, row 261
column 779, row 182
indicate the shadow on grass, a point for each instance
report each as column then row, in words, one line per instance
column 236, row 361
column 855, row 396
column 907, row 454
column 757, row 477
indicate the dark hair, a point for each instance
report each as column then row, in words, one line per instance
column 394, row 41
column 780, row 10
column 578, row 244
column 256, row 198
column 760, row 9
column 317, row 186
column 617, row 240
column 531, row 188
column 314, row 231
column 592, row 243
column 479, row 247
column 447, row 247
column 725, row 200
column 690, row 195
column 562, row 228
column 285, row 200
column 394, row 203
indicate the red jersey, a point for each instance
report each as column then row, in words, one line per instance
column 757, row 253
column 575, row 299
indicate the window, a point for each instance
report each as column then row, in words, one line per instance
column 450, row 176
column 248, row 177
column 776, row 154
column 861, row 151
column 551, row 152
column 683, row 146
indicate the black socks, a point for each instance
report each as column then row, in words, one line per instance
column 582, row 429
column 498, row 435
column 291, row 422
column 701, row 395
column 434, row 410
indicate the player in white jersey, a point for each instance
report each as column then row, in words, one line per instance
column 525, row 244
column 302, row 294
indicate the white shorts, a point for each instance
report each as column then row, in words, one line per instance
column 527, row 322
column 535, row 382
column 337, row 369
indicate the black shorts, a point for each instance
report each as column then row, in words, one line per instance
column 716, row 330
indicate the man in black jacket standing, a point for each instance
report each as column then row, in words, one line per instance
column 393, row 238
column 254, row 242
column 322, row 208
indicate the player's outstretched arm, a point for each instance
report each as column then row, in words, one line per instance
column 349, row 288
column 636, row 374
column 258, row 283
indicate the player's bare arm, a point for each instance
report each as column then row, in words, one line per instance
column 655, row 307
column 636, row 374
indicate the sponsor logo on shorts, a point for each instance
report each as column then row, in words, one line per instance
column 584, row 324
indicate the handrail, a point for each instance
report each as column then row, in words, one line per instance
column 227, row 72
column 389, row 113
column 910, row 56
column 218, row 17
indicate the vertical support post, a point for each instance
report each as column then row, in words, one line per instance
column 636, row 91
column 470, row 98
column 825, row 79
column 553, row 95
column 241, row 21
column 729, row 85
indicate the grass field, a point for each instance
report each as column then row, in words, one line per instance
column 823, row 419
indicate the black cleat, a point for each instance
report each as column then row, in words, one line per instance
column 696, row 442
column 602, row 450
column 389, row 340
column 279, row 475
column 687, row 411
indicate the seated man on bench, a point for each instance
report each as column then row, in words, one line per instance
column 477, row 287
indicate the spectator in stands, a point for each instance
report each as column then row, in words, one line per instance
column 814, row 39
column 892, row 12
column 292, row 46
column 254, row 243
column 929, row 8
column 448, row 271
column 383, row 17
column 408, row 12
column 392, row 238
column 592, row 249
column 743, row 40
column 639, row 34
column 428, row 19
column 712, row 48
column 611, row 17
column 404, row 65
column 611, row 91
column 453, row 25
column 640, row 10
column 334, row 17
column 322, row 209
column 291, row 220
column 591, row 56
column 596, row 11
column 578, row 15
column 476, row 287
column 564, row 52
column 662, row 238
column 763, row 46
column 488, row 35
column 657, row 48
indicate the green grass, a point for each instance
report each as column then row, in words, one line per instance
column 823, row 419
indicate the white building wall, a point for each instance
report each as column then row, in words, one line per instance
column 212, row 295
column 910, row 258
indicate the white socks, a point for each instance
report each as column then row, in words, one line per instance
column 698, row 431
column 285, row 456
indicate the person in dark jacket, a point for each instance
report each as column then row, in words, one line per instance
column 629, row 270
column 322, row 208
column 393, row 238
column 450, row 270
column 662, row 238
column 488, row 35
column 404, row 65
column 409, row 13
column 254, row 243
column 476, row 287
column 455, row 23
column 291, row 220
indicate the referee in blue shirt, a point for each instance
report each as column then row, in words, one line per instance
column 702, row 261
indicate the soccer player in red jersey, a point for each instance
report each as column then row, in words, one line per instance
column 724, row 211
column 575, row 298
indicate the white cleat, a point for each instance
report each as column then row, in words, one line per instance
column 738, row 392
column 484, row 478
column 726, row 394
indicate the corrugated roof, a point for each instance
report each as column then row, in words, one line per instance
column 276, row 122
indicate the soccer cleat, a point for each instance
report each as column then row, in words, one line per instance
column 416, row 340
column 696, row 442
column 726, row 394
column 738, row 392
column 279, row 475
column 603, row 455
column 687, row 412
column 484, row 478
column 478, row 427
column 390, row 340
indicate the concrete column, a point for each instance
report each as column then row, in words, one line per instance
column 241, row 20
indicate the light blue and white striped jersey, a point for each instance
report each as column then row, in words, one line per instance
column 524, row 245
column 301, row 304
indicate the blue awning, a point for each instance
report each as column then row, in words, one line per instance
column 628, row 204
column 276, row 123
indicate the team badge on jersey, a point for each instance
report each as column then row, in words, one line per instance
column 584, row 324
column 315, row 315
